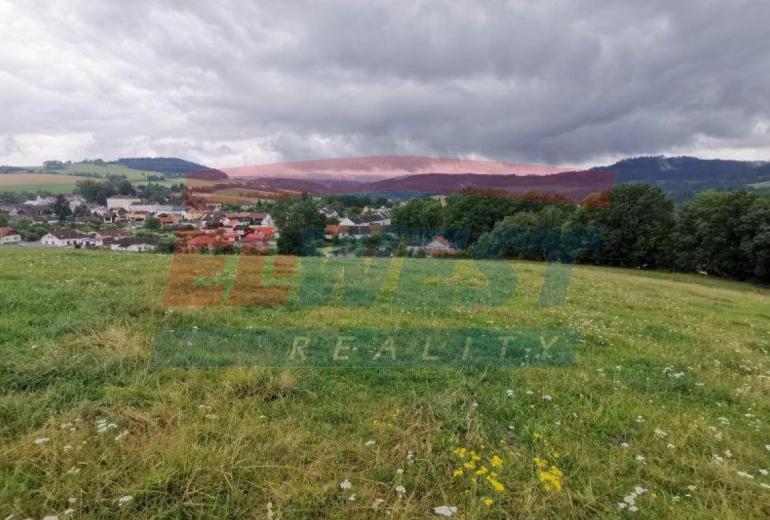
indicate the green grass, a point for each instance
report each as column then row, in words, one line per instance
column 110, row 169
column 75, row 338
column 64, row 181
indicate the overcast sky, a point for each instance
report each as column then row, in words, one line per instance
column 233, row 83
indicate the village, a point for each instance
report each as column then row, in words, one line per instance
column 130, row 224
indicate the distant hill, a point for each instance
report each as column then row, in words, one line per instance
column 170, row 166
column 682, row 177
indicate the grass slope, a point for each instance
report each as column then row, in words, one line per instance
column 669, row 392
column 38, row 182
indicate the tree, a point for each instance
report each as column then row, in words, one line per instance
column 301, row 227
column 635, row 229
column 721, row 233
column 152, row 223
column 61, row 208
column 418, row 219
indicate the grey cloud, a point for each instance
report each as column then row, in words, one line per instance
column 234, row 82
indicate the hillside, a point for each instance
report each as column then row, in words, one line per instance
column 667, row 394
column 685, row 176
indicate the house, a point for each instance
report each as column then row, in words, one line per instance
column 9, row 236
column 135, row 245
column 41, row 201
column 260, row 218
column 74, row 201
column 329, row 213
column 331, row 231
column 167, row 220
column 439, row 246
column 203, row 242
column 260, row 236
column 69, row 238
column 121, row 202
column 111, row 236
column 137, row 216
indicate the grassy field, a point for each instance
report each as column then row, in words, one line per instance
column 64, row 181
column 38, row 182
column 110, row 169
column 666, row 405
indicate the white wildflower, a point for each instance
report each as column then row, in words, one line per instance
column 345, row 484
column 445, row 510
column 744, row 474
column 121, row 435
column 641, row 459
column 509, row 393
column 352, row 497
column 547, row 397
column 41, row 440
column 377, row 503
column 125, row 500
column 660, row 433
column 400, row 489
column 369, row 443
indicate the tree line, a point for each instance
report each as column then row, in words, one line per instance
column 725, row 233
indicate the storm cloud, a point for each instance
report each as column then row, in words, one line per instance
column 232, row 83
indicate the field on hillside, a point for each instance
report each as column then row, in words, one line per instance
column 110, row 169
column 665, row 410
column 38, row 182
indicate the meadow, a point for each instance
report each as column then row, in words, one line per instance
column 664, row 412
column 38, row 182
column 64, row 181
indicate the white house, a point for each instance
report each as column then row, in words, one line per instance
column 9, row 236
column 40, row 201
column 121, row 202
column 69, row 238
column 134, row 245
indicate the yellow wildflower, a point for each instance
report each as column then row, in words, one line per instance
column 470, row 465
column 488, row 502
column 497, row 486
column 497, row 462
column 540, row 463
column 482, row 471
column 457, row 473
